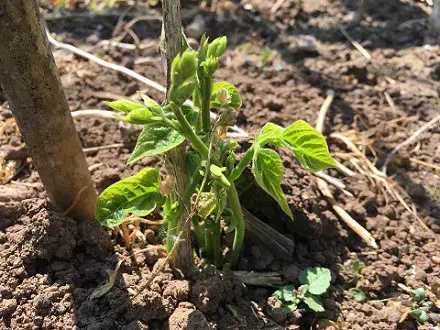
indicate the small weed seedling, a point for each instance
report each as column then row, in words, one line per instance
column 211, row 161
column 355, row 274
column 419, row 303
column 314, row 282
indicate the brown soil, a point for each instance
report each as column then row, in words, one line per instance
column 51, row 265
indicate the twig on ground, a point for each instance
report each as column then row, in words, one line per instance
column 323, row 111
column 421, row 162
column 108, row 146
column 355, row 44
column 276, row 6
column 411, row 139
column 323, row 187
column 271, row 279
column 333, row 181
column 238, row 131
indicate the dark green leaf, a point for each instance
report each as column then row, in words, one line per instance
column 268, row 172
column 420, row 315
column 234, row 96
column 317, row 278
column 308, row 145
column 221, row 196
column 138, row 195
column 314, row 303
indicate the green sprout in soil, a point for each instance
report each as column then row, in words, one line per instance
column 211, row 160
column 351, row 284
column 419, row 302
column 314, row 283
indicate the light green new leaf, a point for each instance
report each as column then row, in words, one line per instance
column 418, row 294
column 317, row 278
column 155, row 139
column 308, row 145
column 285, row 293
column 268, row 172
column 138, row 195
column 125, row 105
column 151, row 104
column 314, row 303
column 357, row 294
column 271, row 133
column 217, row 47
column 234, row 100
column 207, row 204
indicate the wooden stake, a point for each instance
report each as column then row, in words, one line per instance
column 30, row 80
column 175, row 160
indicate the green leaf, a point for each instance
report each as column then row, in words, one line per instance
column 207, row 204
column 155, row 139
column 268, row 172
column 308, row 145
column 152, row 105
column 418, row 294
column 138, row 195
column 292, row 306
column 314, row 303
column 358, row 294
column 285, row 293
column 271, row 133
column 235, row 98
column 317, row 278
column 217, row 47
column 420, row 315
column 125, row 105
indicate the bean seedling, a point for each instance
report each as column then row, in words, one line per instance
column 314, row 282
column 212, row 163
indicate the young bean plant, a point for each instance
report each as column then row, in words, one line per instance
column 211, row 160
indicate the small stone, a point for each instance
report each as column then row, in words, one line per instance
column 7, row 307
column 187, row 318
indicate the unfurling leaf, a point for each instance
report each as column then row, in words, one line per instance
column 125, row 105
column 235, row 98
column 138, row 194
column 217, row 172
column 183, row 80
column 271, row 133
column 268, row 171
column 314, row 303
column 151, row 104
column 221, row 197
column 207, row 204
column 317, row 278
column 308, row 145
column 217, row 47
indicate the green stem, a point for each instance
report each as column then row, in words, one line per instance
column 238, row 221
column 188, row 132
column 242, row 164
column 206, row 104
column 208, row 240
column 198, row 233
column 173, row 228
column 216, row 248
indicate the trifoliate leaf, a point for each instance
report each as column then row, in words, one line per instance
column 317, row 278
column 268, row 171
column 308, row 145
column 217, row 47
